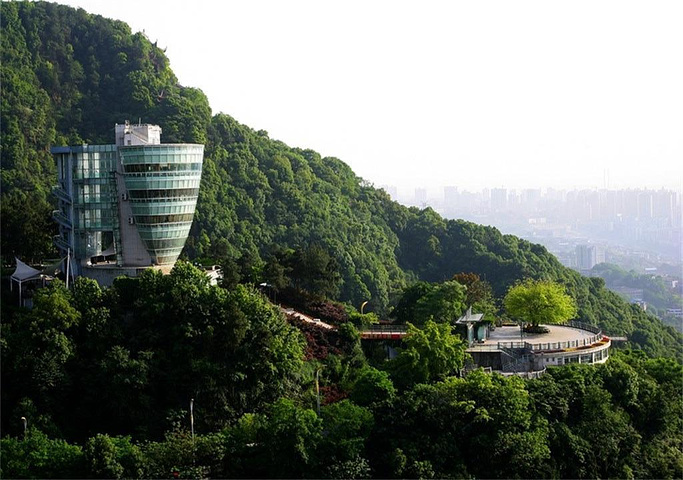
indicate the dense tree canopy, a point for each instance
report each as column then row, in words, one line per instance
column 441, row 302
column 538, row 302
column 151, row 344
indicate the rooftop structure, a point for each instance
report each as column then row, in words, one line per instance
column 127, row 206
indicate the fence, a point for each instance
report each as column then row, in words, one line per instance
column 387, row 328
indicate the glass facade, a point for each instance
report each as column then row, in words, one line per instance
column 163, row 184
column 88, row 213
column 155, row 185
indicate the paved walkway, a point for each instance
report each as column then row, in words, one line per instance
column 313, row 321
column 385, row 334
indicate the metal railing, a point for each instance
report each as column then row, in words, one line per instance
column 585, row 342
column 532, row 375
column 60, row 243
column 583, row 326
column 59, row 217
column 515, row 360
column 387, row 328
column 61, row 194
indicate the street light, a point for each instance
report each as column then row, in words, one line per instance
column 192, row 418
column 317, row 389
column 25, row 422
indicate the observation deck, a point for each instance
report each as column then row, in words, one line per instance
column 509, row 350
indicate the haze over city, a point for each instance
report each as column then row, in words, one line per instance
column 485, row 94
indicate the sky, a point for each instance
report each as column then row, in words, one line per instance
column 515, row 94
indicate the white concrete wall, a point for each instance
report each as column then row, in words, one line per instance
column 135, row 253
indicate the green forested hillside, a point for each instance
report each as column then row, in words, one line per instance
column 68, row 77
column 105, row 380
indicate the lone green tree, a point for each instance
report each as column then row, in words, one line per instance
column 539, row 301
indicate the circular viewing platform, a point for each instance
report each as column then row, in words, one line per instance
column 560, row 336
column 508, row 349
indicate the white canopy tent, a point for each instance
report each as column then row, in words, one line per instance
column 25, row 273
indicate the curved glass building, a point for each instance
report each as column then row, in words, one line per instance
column 163, row 184
column 127, row 206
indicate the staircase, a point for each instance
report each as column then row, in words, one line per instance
column 515, row 360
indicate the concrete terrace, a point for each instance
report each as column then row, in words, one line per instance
column 558, row 333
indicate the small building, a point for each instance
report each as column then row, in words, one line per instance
column 128, row 206
column 477, row 331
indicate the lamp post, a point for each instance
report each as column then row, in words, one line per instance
column 317, row 389
column 25, row 422
column 192, row 418
column 192, row 428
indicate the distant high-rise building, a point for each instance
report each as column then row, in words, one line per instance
column 608, row 205
column 645, row 205
column 499, row 199
column 629, row 204
column 587, row 256
column 450, row 196
column 555, row 195
column 515, row 200
column 391, row 190
column 420, row 196
column 127, row 206
column 664, row 205
column 532, row 197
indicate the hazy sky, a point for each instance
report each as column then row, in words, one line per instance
column 472, row 94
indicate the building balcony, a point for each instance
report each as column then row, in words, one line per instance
column 61, row 194
column 62, row 219
column 61, row 243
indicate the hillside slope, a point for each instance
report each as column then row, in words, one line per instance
column 68, row 76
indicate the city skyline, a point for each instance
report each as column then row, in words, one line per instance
column 627, row 220
column 440, row 191
column 526, row 95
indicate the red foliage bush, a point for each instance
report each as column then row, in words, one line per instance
column 325, row 310
column 331, row 394
column 320, row 342
column 328, row 312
